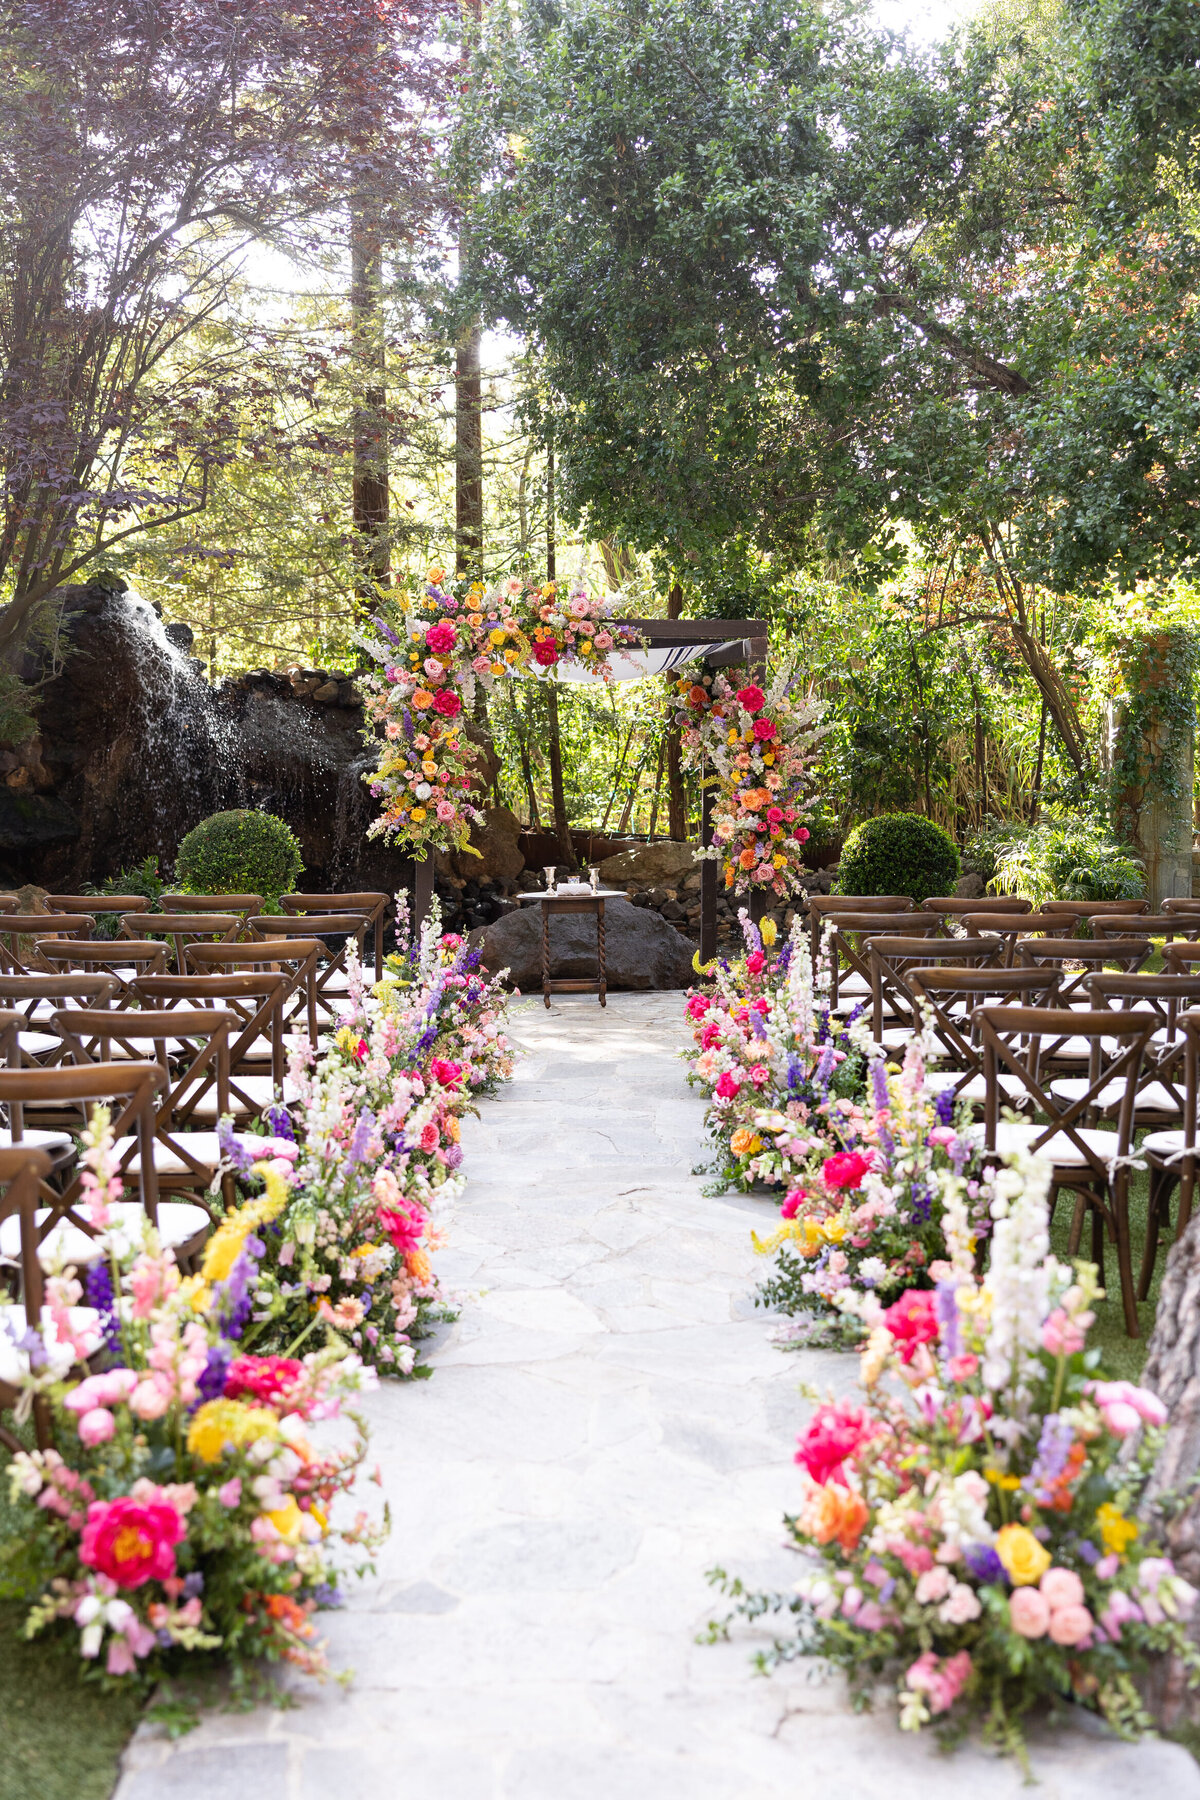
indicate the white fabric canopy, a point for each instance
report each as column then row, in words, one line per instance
column 635, row 665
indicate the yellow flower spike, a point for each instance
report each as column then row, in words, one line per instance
column 768, row 931
column 196, row 1292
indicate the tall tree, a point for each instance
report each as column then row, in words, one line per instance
column 142, row 150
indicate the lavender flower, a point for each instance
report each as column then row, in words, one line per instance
column 945, row 1305
column 757, row 1026
column 384, row 629
column 360, row 1140
column 210, row 1384
column 922, row 1204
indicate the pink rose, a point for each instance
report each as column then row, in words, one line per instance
column 846, row 1169
column 698, row 1005
column 961, row 1368
column 1070, row 1625
column 96, row 1427
column 150, row 1398
column 793, row 1203
column 1028, row 1613
column 756, row 962
column 230, row 1494
column 1124, row 1407
column 603, row 640
column 961, row 1605
column 445, row 811
column 728, row 1087
column 1061, row 1587
column 934, row 1585
column 1063, row 1336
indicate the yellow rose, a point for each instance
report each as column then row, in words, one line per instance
column 1116, row 1531
column 428, row 767
column 221, row 1423
column 834, row 1229
column 1025, row 1560
column 585, row 649
column 497, row 637
column 768, row 757
column 418, row 814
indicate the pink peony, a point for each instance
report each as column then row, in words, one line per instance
column 446, row 704
column 836, row 1434
column 446, row 1074
column 751, row 698
column 131, row 1541
column 728, row 1087
column 545, row 654
column 846, row 1169
column 441, row 637
column 1070, row 1625
column 698, row 1005
column 1061, row 1587
column 793, row 1203
column 96, row 1427
column 912, row 1321
column 1028, row 1612
column 756, row 962
column 764, row 730
column 1124, row 1407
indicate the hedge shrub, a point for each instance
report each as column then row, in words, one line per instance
column 239, row 853
column 898, row 853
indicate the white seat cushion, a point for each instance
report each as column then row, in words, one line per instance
column 1011, row 1086
column 1154, row 1097
column 203, row 1145
column 854, row 984
column 14, row 1363
column 39, row 1043
column 257, row 1089
column 37, row 1140
column 1164, row 1144
column 1060, row 1150
column 178, row 1223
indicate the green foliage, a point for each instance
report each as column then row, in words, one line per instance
column 143, row 879
column 898, row 853
column 241, row 852
column 1150, row 665
column 16, row 708
column 1060, row 859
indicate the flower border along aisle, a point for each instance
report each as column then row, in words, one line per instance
column 805, row 1102
column 976, row 1516
column 429, row 661
column 195, row 1500
column 761, row 745
column 378, row 1119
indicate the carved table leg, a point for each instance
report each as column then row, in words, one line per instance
column 600, row 952
column 546, row 954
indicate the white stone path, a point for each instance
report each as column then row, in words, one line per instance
column 605, row 1423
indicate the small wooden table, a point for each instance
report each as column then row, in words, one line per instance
column 557, row 902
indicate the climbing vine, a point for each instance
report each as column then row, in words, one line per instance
column 1151, row 667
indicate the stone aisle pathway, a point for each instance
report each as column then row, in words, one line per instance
column 605, row 1423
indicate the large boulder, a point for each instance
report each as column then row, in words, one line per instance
column 640, row 951
column 665, row 861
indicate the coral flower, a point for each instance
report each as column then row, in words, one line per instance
column 131, row 1541
column 833, row 1513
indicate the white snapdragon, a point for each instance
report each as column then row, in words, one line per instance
column 1020, row 1274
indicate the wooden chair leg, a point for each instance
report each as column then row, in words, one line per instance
column 1120, row 1206
column 1157, row 1215
column 1075, row 1235
column 1187, row 1187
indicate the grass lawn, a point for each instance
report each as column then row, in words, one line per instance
column 62, row 1735
column 1123, row 1356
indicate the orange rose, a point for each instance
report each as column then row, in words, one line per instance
column 418, row 1266
column 437, row 574
column 832, row 1512
column 422, row 699
column 747, row 859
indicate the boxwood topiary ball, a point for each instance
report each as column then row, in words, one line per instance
column 241, row 852
column 898, row 853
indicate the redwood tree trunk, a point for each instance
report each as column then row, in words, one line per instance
column 370, row 475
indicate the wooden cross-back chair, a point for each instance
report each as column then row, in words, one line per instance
column 350, row 927
column 60, row 1099
column 256, row 999
column 1172, row 1156
column 954, row 906
column 1160, row 1097
column 1184, row 907
column 891, row 960
column 98, row 905
column 296, row 958
column 192, row 1047
column 245, row 905
column 373, row 906
column 951, row 999
column 1011, row 927
column 9, row 903
column 182, row 930
column 20, row 1172
column 22, row 936
column 119, row 958
column 36, row 998
column 1129, row 953
column 824, row 906
column 1158, row 925
column 1092, row 1164
column 848, row 936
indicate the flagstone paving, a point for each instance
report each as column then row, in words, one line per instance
column 605, row 1422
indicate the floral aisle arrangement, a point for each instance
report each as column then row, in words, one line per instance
column 427, row 663
column 776, row 1064
column 804, row 1102
column 369, row 1151
column 195, row 1499
column 759, row 745
column 975, row 1519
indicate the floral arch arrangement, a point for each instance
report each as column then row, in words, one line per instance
column 759, row 746
column 421, row 693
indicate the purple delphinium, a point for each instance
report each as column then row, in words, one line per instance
column 945, row 1305
column 360, row 1139
column 757, row 1026
column 279, row 1120
column 1054, row 1443
column 785, row 956
column 922, row 1204
column 824, row 1073
column 943, row 1106
column 983, row 1563
column 233, row 1151
column 384, row 629
column 879, row 1086
column 98, row 1288
column 210, row 1384
column 231, row 1297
